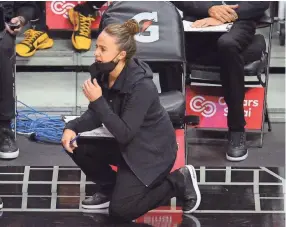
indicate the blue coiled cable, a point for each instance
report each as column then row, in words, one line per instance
column 39, row 126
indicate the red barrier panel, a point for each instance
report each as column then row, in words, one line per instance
column 208, row 103
column 56, row 14
column 161, row 219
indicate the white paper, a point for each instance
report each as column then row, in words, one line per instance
column 218, row 28
column 66, row 119
column 101, row 132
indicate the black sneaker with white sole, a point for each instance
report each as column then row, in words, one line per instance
column 191, row 194
column 97, row 201
column 8, row 146
column 237, row 149
column 1, row 203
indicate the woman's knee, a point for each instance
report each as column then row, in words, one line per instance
column 79, row 155
column 123, row 211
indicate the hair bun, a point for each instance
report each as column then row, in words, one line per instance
column 132, row 26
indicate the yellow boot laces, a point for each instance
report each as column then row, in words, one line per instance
column 84, row 25
column 30, row 37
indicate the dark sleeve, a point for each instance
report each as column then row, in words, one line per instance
column 26, row 9
column 86, row 122
column 125, row 127
column 193, row 8
column 251, row 9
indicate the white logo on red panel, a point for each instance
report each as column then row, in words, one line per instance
column 200, row 105
column 62, row 7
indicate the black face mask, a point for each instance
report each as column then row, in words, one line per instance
column 102, row 68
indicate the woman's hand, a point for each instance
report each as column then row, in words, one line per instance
column 92, row 91
column 67, row 137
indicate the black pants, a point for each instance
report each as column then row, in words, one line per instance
column 89, row 7
column 130, row 198
column 39, row 23
column 7, row 62
column 229, row 51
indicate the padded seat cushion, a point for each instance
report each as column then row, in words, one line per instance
column 254, row 56
column 174, row 103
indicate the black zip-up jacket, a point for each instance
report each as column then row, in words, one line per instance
column 132, row 112
column 12, row 9
column 247, row 10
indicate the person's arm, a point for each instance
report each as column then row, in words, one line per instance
column 251, row 9
column 193, row 8
column 26, row 9
column 86, row 122
column 124, row 128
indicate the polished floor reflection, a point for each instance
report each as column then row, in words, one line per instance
column 235, row 197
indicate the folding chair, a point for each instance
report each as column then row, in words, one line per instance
column 281, row 20
column 161, row 40
column 210, row 74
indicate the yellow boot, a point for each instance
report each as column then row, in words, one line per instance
column 34, row 40
column 81, row 37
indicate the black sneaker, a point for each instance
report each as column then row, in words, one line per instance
column 237, row 150
column 97, row 201
column 191, row 194
column 8, row 146
column 1, row 203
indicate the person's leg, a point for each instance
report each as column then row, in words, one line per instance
column 230, row 48
column 89, row 8
column 39, row 24
column 8, row 147
column 37, row 37
column 94, row 159
column 131, row 198
column 81, row 17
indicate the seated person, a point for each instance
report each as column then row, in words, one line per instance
column 81, row 17
column 229, row 51
column 37, row 37
column 18, row 13
column 125, row 99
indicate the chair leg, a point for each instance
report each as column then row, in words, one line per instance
column 267, row 118
column 186, row 144
column 15, row 120
column 261, row 139
column 15, row 97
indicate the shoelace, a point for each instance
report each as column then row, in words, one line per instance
column 85, row 24
column 30, row 37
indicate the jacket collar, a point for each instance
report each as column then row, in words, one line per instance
column 127, row 78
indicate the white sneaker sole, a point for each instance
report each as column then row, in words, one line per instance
column 93, row 207
column 196, row 187
column 9, row 155
column 237, row 159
